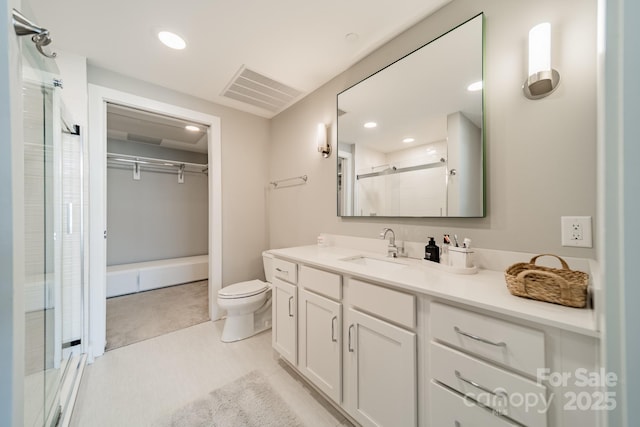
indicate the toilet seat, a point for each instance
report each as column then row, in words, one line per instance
column 243, row 289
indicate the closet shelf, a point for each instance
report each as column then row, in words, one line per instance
column 158, row 165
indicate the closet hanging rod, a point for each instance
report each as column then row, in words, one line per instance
column 303, row 178
column 127, row 158
column 152, row 168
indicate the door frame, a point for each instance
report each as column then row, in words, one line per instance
column 99, row 96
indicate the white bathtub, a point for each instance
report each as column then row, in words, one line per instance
column 142, row 276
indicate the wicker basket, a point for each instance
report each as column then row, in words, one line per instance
column 561, row 286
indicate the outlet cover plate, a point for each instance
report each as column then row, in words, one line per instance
column 576, row 231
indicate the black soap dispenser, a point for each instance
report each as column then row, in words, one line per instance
column 432, row 251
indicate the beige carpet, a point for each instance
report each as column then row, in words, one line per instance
column 246, row 402
column 137, row 317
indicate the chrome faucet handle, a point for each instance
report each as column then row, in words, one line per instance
column 392, row 251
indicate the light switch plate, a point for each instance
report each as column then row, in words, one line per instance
column 576, row 231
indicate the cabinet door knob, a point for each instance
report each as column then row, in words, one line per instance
column 333, row 329
column 290, row 301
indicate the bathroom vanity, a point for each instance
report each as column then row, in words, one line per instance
column 400, row 342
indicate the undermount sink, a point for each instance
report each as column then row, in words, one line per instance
column 379, row 263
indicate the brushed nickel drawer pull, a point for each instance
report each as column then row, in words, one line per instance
column 477, row 338
column 333, row 329
column 349, row 344
column 498, row 393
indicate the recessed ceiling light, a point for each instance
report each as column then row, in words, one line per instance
column 172, row 40
column 408, row 140
column 370, row 125
column 192, row 128
column 474, row 87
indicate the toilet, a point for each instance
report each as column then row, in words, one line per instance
column 248, row 305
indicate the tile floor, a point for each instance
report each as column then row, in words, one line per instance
column 143, row 383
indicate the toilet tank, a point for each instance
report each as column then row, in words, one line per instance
column 267, row 260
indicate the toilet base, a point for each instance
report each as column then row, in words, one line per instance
column 238, row 327
column 241, row 327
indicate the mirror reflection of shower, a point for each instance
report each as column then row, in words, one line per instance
column 425, row 111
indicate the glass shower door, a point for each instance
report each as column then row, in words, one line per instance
column 45, row 365
column 41, row 274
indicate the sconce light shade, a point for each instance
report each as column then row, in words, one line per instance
column 542, row 79
column 322, row 142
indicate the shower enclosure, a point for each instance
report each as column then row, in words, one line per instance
column 53, row 239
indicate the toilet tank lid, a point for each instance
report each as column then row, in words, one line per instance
column 243, row 289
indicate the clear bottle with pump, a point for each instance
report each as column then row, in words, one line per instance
column 444, row 256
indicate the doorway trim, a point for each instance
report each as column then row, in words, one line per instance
column 99, row 96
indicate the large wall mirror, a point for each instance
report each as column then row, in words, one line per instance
column 410, row 137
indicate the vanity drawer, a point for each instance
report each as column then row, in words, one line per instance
column 385, row 303
column 518, row 398
column 449, row 409
column 512, row 345
column 285, row 270
column 321, row 282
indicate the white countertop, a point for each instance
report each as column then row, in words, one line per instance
column 485, row 290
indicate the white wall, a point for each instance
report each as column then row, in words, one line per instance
column 155, row 217
column 540, row 155
column 245, row 143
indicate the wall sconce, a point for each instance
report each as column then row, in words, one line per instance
column 542, row 79
column 322, row 141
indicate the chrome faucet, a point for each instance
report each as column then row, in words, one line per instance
column 392, row 249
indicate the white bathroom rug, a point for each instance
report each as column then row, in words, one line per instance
column 246, row 402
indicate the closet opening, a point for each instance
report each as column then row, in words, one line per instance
column 157, row 214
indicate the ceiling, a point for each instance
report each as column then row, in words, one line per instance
column 301, row 44
column 414, row 96
column 132, row 125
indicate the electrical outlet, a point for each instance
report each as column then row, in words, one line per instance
column 576, row 231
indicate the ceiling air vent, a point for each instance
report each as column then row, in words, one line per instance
column 260, row 91
column 144, row 139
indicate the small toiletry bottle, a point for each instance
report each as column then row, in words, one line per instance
column 432, row 251
column 444, row 257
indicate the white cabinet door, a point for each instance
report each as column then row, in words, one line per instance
column 321, row 343
column 284, row 331
column 382, row 372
